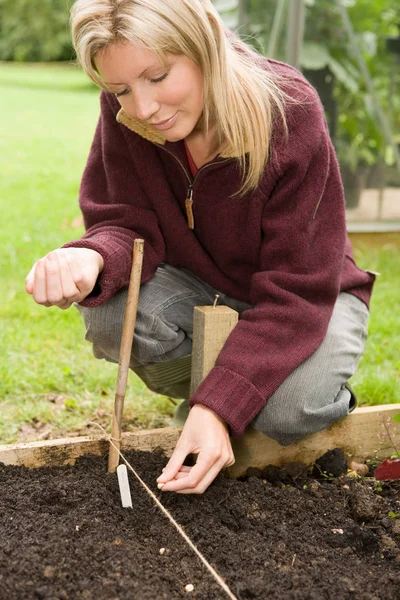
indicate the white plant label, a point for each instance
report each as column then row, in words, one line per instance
column 124, row 489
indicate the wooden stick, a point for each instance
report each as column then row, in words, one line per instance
column 211, row 327
column 125, row 353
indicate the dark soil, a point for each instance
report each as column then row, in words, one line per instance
column 64, row 535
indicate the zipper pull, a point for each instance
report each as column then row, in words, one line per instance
column 189, row 207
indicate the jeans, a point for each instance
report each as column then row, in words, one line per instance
column 311, row 398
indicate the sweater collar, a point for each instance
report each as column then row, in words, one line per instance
column 148, row 133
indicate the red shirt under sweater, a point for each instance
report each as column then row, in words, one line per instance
column 283, row 248
column 192, row 164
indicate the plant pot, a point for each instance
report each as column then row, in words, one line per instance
column 376, row 176
column 353, row 183
column 392, row 176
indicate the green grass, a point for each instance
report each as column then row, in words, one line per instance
column 377, row 380
column 50, row 384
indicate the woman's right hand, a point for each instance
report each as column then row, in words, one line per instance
column 64, row 276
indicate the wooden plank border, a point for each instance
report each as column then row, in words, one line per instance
column 65, row 451
column 361, row 435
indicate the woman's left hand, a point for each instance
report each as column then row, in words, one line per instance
column 206, row 435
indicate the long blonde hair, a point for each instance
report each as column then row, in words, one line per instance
column 241, row 97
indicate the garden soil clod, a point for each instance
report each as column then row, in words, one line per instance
column 65, row 536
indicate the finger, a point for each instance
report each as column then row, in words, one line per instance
column 64, row 304
column 174, row 464
column 181, row 474
column 39, row 284
column 200, row 470
column 75, row 270
column 53, row 279
column 29, row 280
column 202, row 485
column 230, row 461
column 69, row 289
column 185, row 468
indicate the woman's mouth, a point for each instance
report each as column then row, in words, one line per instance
column 163, row 125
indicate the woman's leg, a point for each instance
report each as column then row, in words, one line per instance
column 162, row 346
column 314, row 395
column 309, row 400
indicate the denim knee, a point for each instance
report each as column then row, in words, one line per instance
column 103, row 326
column 170, row 378
column 301, row 417
column 315, row 395
column 155, row 339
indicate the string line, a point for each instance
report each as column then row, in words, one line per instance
column 213, row 572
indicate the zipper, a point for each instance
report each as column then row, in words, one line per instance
column 189, row 194
column 189, row 206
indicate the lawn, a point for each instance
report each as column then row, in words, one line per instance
column 377, row 380
column 50, row 385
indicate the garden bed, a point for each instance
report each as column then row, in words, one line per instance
column 282, row 534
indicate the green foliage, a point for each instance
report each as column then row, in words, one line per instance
column 35, row 30
column 359, row 139
column 327, row 49
column 228, row 9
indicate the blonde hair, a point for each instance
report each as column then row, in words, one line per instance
column 240, row 96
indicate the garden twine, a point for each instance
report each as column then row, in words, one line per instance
column 213, row 572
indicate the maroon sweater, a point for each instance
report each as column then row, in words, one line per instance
column 283, row 248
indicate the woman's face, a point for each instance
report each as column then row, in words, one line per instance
column 169, row 99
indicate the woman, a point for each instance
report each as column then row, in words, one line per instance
column 221, row 161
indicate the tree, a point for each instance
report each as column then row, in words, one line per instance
column 35, row 30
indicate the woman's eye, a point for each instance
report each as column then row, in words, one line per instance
column 159, row 78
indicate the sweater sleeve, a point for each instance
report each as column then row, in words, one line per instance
column 294, row 291
column 115, row 209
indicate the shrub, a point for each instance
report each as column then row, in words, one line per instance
column 35, row 30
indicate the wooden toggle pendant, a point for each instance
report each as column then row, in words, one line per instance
column 189, row 212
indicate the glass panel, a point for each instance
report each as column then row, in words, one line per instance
column 355, row 66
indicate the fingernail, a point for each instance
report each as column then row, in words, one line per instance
column 160, row 486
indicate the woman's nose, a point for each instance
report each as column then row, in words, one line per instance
column 144, row 106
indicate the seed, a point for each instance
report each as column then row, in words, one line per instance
column 189, row 587
column 359, row 468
